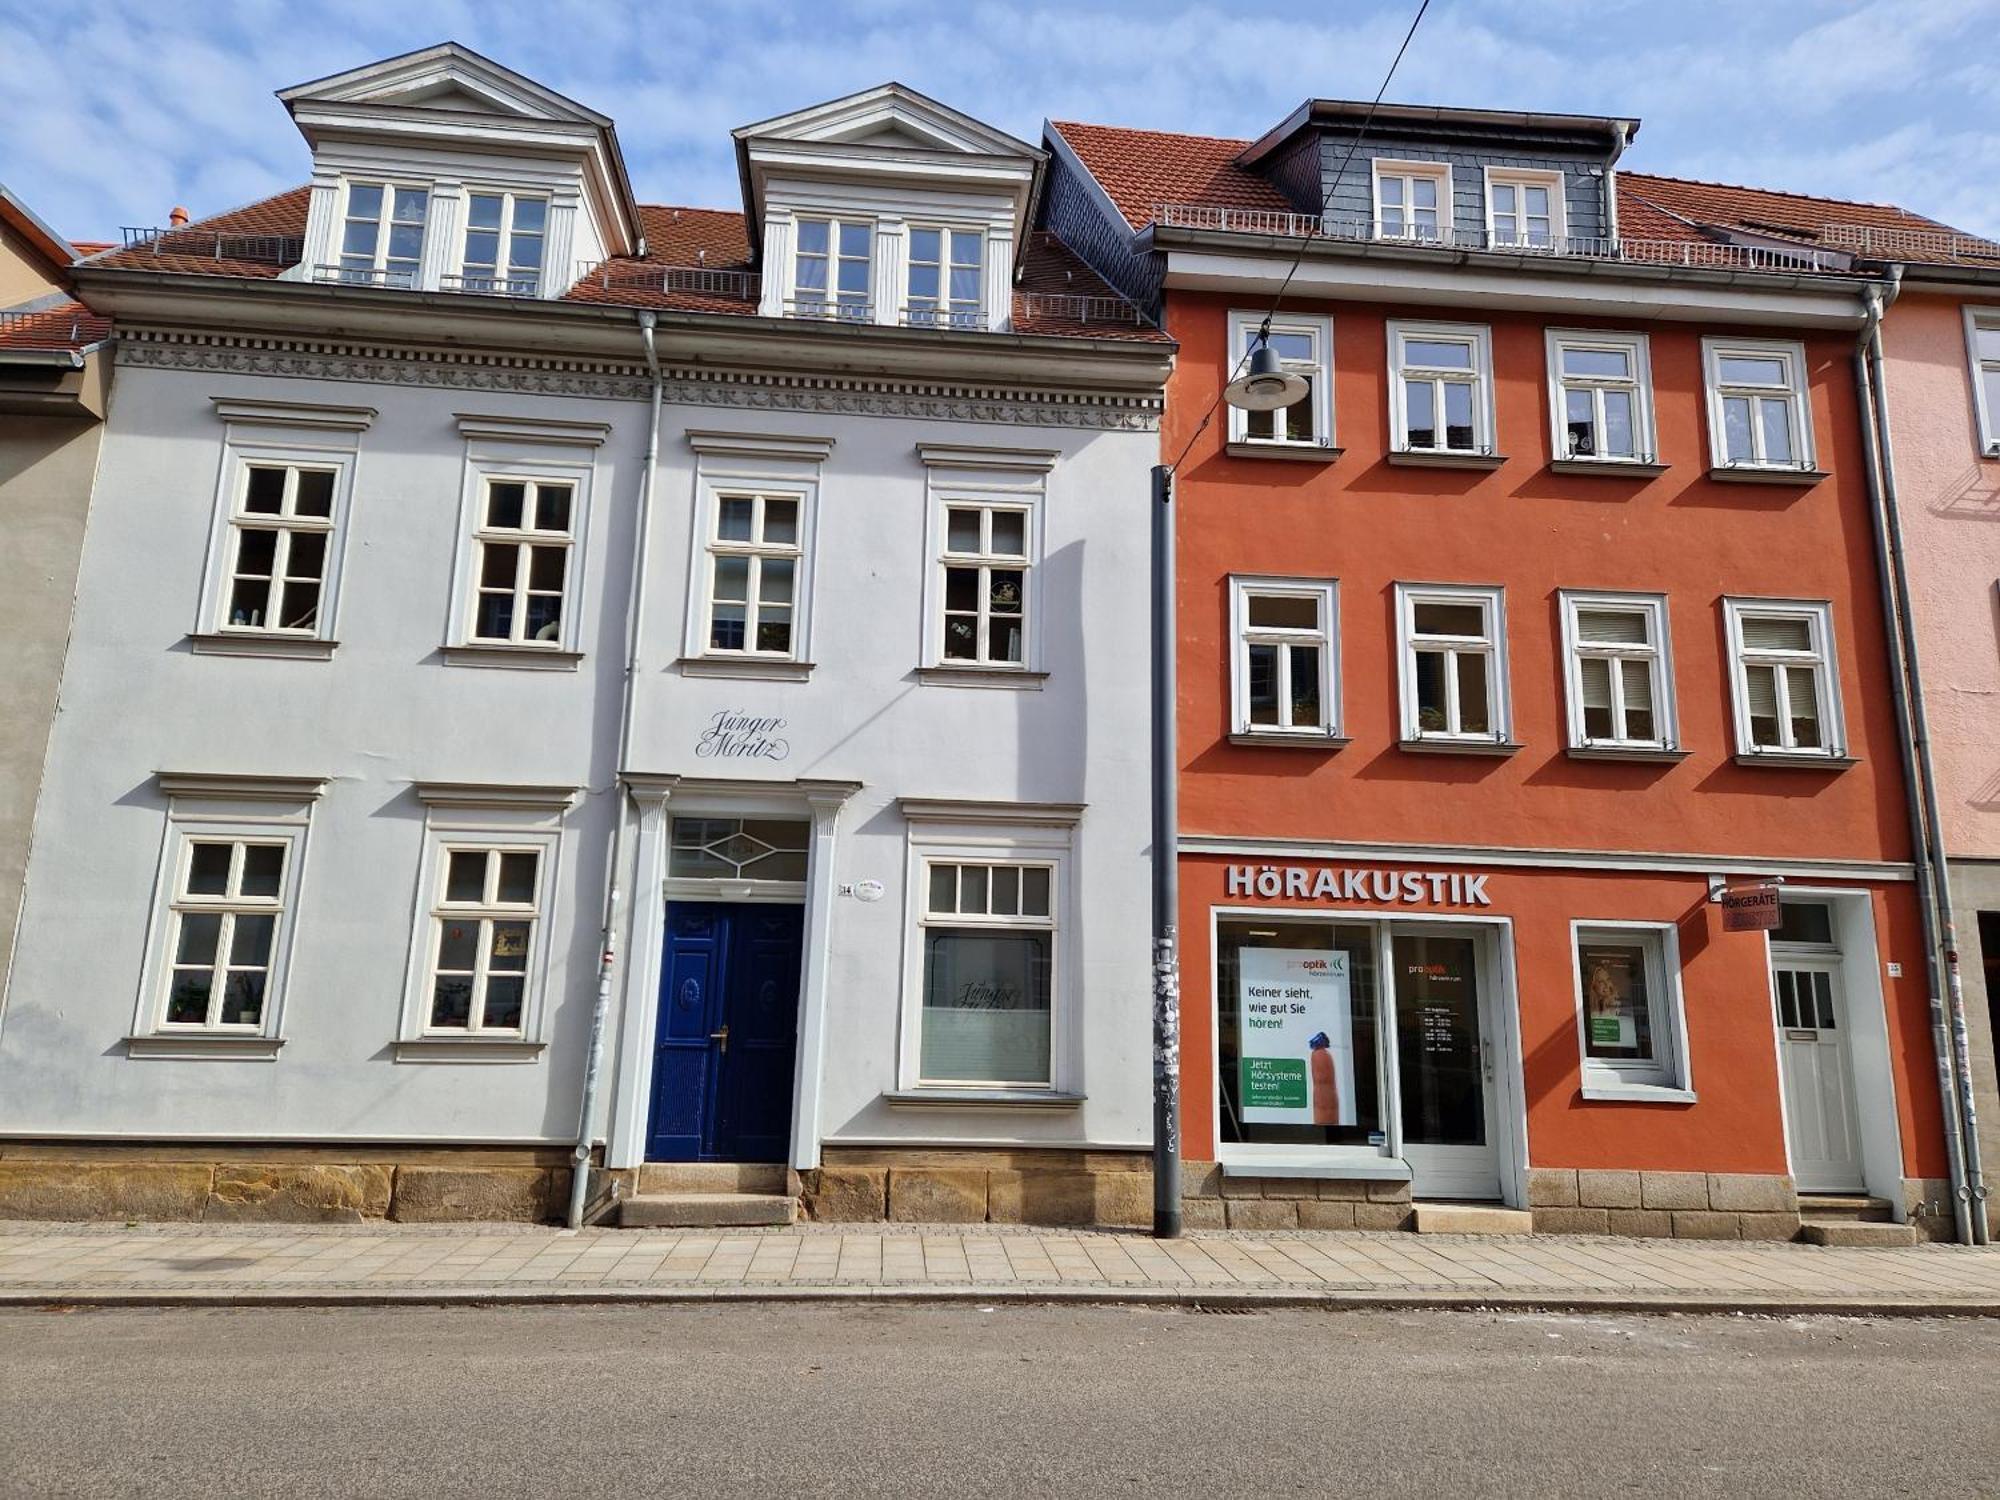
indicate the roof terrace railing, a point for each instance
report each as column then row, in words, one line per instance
column 1873, row 242
column 702, row 281
column 57, row 327
column 1071, row 307
column 1707, row 254
column 209, row 244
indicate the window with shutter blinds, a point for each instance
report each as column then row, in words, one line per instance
column 1619, row 680
column 1787, row 692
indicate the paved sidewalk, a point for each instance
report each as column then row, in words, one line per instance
column 41, row 1264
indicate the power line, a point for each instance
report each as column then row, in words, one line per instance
column 1264, row 329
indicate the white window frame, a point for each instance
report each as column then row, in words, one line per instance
column 492, row 851
column 1408, row 171
column 1637, row 347
column 1325, row 595
column 1795, row 393
column 1525, row 177
column 1665, row 1078
column 233, row 810
column 1493, row 646
column 378, row 273
column 1822, row 658
column 505, row 818
column 757, row 552
column 1480, row 337
column 1243, row 330
column 526, row 537
column 1658, row 652
column 985, row 833
column 1985, row 414
column 946, row 313
column 503, row 280
column 829, row 305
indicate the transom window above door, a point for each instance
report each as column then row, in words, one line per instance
column 739, row 849
column 504, row 238
column 833, row 269
column 382, row 234
column 1412, row 200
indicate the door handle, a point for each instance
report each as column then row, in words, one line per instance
column 721, row 1036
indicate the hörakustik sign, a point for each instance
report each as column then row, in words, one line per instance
column 1296, row 1052
column 1381, row 887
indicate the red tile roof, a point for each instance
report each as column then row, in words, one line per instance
column 1664, row 206
column 67, row 325
column 1141, row 168
column 260, row 239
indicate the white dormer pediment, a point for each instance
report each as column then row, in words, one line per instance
column 446, row 76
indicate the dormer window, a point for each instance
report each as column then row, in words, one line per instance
column 945, row 275
column 834, row 269
column 1523, row 209
column 504, row 236
column 382, row 238
column 1412, row 200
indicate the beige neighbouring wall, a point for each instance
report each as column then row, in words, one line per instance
column 47, row 466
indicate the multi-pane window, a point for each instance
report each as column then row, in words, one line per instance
column 483, row 938
column 1283, row 671
column 754, row 562
column 521, row 560
column 945, row 275
column 281, row 531
column 1628, row 1006
column 985, row 566
column 1787, row 694
column 1982, row 338
column 832, row 269
column 1602, row 385
column 1454, row 679
column 1757, row 407
column 1304, row 347
column 382, row 235
column 1524, row 209
column 504, row 239
column 1412, row 200
column 988, row 931
column 1442, row 388
column 228, row 900
column 1620, row 682
column 739, row 848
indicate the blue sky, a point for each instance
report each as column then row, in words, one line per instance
column 111, row 111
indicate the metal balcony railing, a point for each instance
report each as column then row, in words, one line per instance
column 1872, row 242
column 209, row 244
column 836, row 309
column 935, row 315
column 613, row 276
column 487, row 284
column 389, row 276
column 1069, row 307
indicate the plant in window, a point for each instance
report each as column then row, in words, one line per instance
column 1452, row 667
column 484, row 928
column 225, row 914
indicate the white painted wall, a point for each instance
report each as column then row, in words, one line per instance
column 386, row 710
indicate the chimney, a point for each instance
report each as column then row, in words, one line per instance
column 178, row 217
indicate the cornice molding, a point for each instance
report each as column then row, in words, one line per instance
column 449, row 369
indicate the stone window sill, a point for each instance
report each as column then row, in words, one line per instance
column 1326, row 742
column 1435, row 745
column 983, row 677
column 921, row 1098
column 459, row 1049
column 1751, row 474
column 527, row 658
column 1794, row 762
column 766, row 668
column 1308, row 453
column 1608, row 468
column 1628, row 752
column 1637, row 1093
column 197, row 1045
column 1419, row 458
column 230, row 643
column 1370, row 1167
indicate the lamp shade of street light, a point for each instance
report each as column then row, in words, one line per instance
column 1265, row 385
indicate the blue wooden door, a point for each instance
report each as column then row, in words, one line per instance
column 727, row 1038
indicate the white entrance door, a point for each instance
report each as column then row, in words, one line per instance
column 1445, row 1056
column 1818, row 1075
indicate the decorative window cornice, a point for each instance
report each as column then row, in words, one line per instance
column 532, row 429
column 218, row 786
column 761, row 445
column 982, row 456
column 493, row 794
column 969, row 810
column 241, row 409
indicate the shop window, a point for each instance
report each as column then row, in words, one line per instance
column 1284, row 676
column 1304, row 347
column 1757, row 412
column 756, row 555
column 280, row 549
column 1441, row 389
column 988, row 930
column 739, row 849
column 1786, row 688
column 1454, row 666
column 1601, row 396
column 1620, row 675
column 521, row 563
column 1629, row 1013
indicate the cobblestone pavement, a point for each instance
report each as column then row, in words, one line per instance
column 93, row 1262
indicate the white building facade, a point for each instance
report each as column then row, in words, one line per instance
column 445, row 619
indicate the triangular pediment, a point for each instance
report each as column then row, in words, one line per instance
column 448, row 77
column 889, row 117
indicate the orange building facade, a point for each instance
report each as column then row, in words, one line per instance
column 1523, row 659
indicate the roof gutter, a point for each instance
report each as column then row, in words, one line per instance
column 1943, row 979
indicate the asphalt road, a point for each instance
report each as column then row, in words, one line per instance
column 1014, row 1401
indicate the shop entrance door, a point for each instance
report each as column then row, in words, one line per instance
column 1818, row 1078
column 1444, row 1058
column 728, row 1033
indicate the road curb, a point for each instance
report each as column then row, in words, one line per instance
column 1220, row 1299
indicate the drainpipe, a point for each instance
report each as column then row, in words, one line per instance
column 1947, row 993
column 635, row 614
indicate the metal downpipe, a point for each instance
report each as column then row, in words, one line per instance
column 600, row 1012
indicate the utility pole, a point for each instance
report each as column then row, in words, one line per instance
column 1166, row 877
